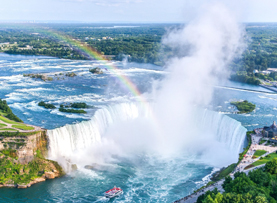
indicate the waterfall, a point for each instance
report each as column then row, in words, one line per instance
column 226, row 130
column 67, row 140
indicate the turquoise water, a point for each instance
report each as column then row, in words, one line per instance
column 143, row 177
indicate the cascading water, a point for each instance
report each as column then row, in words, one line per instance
column 227, row 130
column 66, row 141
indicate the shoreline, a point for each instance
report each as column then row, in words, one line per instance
column 240, row 167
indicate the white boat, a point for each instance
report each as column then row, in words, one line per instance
column 115, row 192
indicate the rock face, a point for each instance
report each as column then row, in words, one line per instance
column 33, row 143
column 50, row 175
column 27, row 155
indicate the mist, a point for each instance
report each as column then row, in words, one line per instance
column 205, row 47
column 176, row 122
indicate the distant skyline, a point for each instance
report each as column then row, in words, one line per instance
column 128, row 11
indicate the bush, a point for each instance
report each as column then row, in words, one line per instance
column 244, row 107
column 71, row 110
column 79, row 105
column 47, row 106
column 6, row 109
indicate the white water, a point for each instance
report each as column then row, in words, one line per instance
column 99, row 136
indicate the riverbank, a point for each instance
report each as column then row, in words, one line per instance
column 242, row 166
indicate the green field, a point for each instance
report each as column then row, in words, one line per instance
column 263, row 160
column 7, row 120
column 7, row 129
column 2, row 125
column 23, row 127
column 259, row 153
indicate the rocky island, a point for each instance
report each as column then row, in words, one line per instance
column 96, row 70
column 244, row 106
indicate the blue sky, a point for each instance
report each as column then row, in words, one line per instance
column 129, row 10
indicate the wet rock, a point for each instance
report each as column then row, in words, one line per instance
column 96, row 71
column 22, row 186
column 50, row 175
column 74, row 167
column 89, row 167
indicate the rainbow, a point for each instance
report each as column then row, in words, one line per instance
column 92, row 53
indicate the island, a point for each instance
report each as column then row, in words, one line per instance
column 51, row 76
column 46, row 105
column 96, row 70
column 244, row 106
column 23, row 152
column 61, row 109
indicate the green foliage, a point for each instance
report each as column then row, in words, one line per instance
column 140, row 44
column 47, row 106
column 264, row 160
column 17, row 134
column 9, row 152
column 245, row 79
column 249, row 140
column 271, row 166
column 2, row 125
column 257, row 186
column 71, row 110
column 79, row 105
column 259, row 153
column 262, row 141
column 8, row 129
column 223, row 173
column 244, row 107
column 6, row 109
column 23, row 127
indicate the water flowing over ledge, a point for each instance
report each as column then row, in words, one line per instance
column 65, row 141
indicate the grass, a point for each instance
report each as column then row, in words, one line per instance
column 241, row 155
column 8, row 129
column 23, row 127
column 2, row 125
column 223, row 173
column 262, row 141
column 263, row 160
column 17, row 134
column 7, row 120
column 259, row 153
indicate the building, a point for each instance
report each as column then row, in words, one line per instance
column 270, row 131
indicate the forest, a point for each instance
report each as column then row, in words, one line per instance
column 259, row 186
column 138, row 42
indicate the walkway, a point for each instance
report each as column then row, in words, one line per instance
column 247, row 160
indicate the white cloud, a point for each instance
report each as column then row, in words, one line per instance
column 107, row 3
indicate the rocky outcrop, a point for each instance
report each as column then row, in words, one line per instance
column 23, row 160
column 33, row 144
column 96, row 71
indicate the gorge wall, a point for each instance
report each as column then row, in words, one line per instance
column 23, row 159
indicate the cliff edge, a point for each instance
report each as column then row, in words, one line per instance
column 23, row 159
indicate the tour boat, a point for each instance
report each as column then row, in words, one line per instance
column 116, row 191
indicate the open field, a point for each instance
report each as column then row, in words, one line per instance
column 23, row 127
column 258, row 153
column 263, row 161
column 2, row 125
